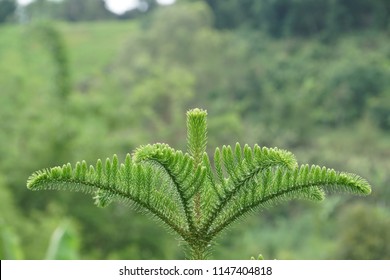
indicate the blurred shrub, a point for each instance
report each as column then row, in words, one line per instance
column 379, row 109
column 348, row 91
column 364, row 233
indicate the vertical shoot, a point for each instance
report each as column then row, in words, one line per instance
column 197, row 134
column 196, row 145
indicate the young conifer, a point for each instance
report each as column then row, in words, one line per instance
column 194, row 198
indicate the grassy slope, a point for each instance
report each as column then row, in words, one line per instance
column 93, row 45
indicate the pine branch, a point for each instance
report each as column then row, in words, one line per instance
column 242, row 168
column 278, row 185
column 179, row 168
column 132, row 183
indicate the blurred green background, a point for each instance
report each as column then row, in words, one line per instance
column 78, row 81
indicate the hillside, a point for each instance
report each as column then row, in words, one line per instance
column 131, row 82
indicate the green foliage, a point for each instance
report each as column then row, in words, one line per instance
column 301, row 17
column 353, row 85
column 259, row 257
column 367, row 237
column 181, row 190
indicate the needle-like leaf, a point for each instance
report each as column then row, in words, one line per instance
column 192, row 197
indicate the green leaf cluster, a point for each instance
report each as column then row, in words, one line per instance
column 191, row 195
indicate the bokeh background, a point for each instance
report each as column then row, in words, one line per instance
column 87, row 79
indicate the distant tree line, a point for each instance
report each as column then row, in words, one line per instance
column 301, row 17
column 7, row 10
column 276, row 17
column 68, row 10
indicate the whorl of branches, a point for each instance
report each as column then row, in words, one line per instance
column 193, row 197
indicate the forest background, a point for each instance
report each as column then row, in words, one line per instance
column 79, row 82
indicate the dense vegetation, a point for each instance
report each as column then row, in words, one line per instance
column 89, row 90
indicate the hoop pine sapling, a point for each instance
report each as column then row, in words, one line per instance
column 194, row 198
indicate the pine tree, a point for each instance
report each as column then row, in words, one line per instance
column 191, row 196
